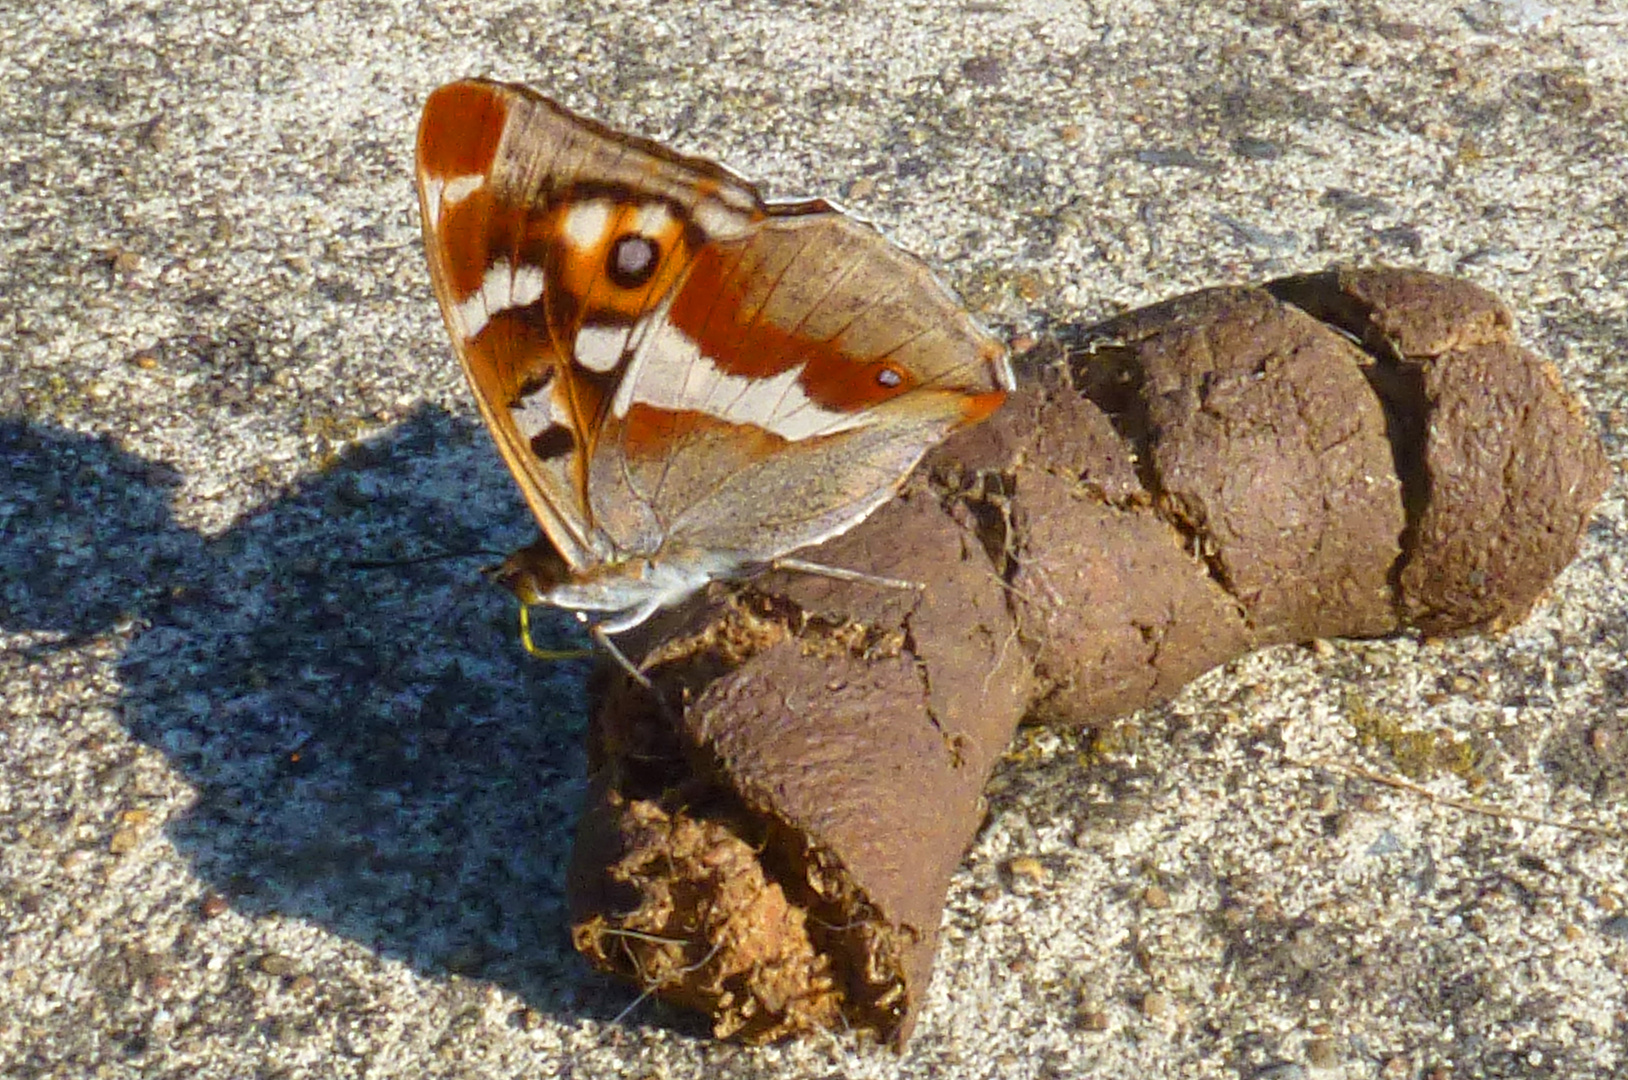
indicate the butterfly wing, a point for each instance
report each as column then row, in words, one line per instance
column 680, row 376
column 523, row 204
column 788, row 388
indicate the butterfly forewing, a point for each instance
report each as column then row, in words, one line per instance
column 487, row 261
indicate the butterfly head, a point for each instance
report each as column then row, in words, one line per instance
column 532, row 572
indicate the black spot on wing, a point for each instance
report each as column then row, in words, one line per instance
column 554, row 441
column 633, row 261
column 535, row 382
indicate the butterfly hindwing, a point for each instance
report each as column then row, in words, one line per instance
column 800, row 392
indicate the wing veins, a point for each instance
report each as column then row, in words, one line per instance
column 742, row 333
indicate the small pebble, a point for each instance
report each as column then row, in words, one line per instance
column 123, row 841
column 1322, row 1054
column 1284, row 1070
column 1027, row 866
column 1093, row 1019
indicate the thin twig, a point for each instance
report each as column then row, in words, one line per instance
column 1468, row 806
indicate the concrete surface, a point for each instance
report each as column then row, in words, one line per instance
column 271, row 810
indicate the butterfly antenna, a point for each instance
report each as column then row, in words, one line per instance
column 419, row 560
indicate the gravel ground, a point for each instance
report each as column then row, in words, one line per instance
column 278, row 801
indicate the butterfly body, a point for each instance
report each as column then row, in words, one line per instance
column 686, row 381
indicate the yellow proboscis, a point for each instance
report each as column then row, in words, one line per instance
column 545, row 654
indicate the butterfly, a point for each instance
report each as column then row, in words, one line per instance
column 688, row 382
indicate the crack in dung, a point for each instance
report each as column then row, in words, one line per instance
column 954, row 743
column 1409, row 412
column 919, row 664
column 1196, row 540
column 1398, row 381
column 986, row 495
column 1108, row 373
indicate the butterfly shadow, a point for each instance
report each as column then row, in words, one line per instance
column 370, row 748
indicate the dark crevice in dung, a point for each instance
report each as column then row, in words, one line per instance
column 1399, row 383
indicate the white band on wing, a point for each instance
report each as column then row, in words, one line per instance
column 668, row 371
column 535, row 413
column 585, row 224
column 502, row 288
column 448, row 192
column 599, row 348
column 460, row 188
column 719, row 221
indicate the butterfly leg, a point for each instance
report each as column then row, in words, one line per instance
column 837, row 573
column 602, row 636
column 626, row 621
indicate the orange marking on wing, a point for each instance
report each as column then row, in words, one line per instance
column 459, row 136
column 708, row 310
column 462, row 126
column 650, row 432
column 468, row 235
column 839, row 382
column 584, row 274
column 508, row 352
column 978, row 407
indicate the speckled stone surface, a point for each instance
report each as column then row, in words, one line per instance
column 278, row 799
